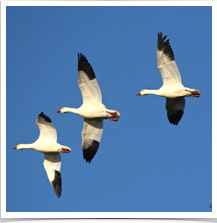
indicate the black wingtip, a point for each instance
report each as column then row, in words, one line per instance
column 175, row 116
column 90, row 152
column 164, row 46
column 47, row 119
column 79, row 55
column 57, row 183
column 84, row 65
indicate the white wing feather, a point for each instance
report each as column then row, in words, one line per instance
column 92, row 130
column 47, row 130
column 51, row 163
column 90, row 89
column 166, row 62
column 169, row 70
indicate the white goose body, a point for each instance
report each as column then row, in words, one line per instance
column 172, row 88
column 92, row 109
column 47, row 144
column 89, row 111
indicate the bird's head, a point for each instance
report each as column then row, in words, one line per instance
column 143, row 92
column 62, row 110
column 18, row 147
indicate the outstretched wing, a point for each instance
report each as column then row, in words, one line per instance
column 52, row 164
column 87, row 82
column 166, row 62
column 47, row 129
column 91, row 136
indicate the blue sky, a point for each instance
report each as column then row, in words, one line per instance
column 144, row 163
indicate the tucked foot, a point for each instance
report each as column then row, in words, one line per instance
column 113, row 116
column 195, row 93
column 113, row 119
column 64, row 150
column 112, row 113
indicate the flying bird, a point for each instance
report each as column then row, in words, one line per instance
column 172, row 88
column 92, row 109
column 47, row 144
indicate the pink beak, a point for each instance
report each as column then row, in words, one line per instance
column 59, row 111
column 15, row 147
column 138, row 93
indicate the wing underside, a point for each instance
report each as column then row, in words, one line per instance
column 52, row 165
column 91, row 136
column 166, row 62
column 87, row 81
column 175, row 109
column 47, row 130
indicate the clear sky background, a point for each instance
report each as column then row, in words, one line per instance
column 144, row 163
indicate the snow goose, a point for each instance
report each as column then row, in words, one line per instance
column 47, row 143
column 172, row 88
column 92, row 109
